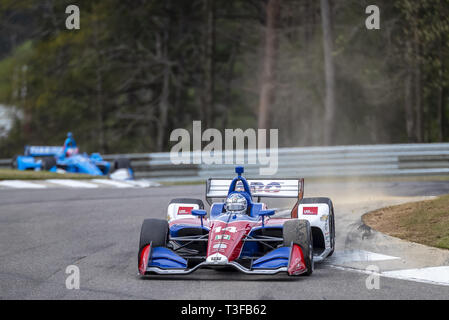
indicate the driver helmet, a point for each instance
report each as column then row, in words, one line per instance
column 71, row 152
column 236, row 203
column 70, row 141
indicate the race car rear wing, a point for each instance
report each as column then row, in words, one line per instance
column 42, row 151
column 267, row 188
column 261, row 188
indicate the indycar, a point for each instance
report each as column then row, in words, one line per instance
column 253, row 241
column 68, row 159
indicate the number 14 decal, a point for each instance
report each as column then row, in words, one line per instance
column 229, row 229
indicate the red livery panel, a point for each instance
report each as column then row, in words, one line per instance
column 185, row 210
column 310, row 210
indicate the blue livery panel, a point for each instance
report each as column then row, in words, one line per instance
column 272, row 260
column 165, row 258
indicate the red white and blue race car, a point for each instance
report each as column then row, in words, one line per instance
column 239, row 233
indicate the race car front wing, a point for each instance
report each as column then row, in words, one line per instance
column 161, row 260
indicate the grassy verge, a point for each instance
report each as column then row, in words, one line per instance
column 9, row 174
column 425, row 222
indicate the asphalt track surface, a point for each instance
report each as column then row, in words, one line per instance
column 44, row 231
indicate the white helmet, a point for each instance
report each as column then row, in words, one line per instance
column 236, row 203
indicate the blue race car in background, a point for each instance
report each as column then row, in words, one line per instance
column 68, row 159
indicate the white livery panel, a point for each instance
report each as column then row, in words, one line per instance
column 318, row 214
column 181, row 210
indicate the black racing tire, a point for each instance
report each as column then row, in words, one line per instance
column 48, row 163
column 103, row 168
column 331, row 215
column 155, row 231
column 189, row 200
column 122, row 163
column 299, row 231
column 14, row 164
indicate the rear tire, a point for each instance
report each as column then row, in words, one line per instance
column 299, row 232
column 155, row 231
column 48, row 163
column 122, row 163
column 14, row 163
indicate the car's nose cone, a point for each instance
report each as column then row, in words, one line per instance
column 217, row 258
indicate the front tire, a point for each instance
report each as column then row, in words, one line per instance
column 299, row 232
column 153, row 231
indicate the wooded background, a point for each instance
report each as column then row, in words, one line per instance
column 138, row 69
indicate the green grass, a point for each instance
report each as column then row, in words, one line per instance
column 430, row 219
column 10, row 174
column 425, row 222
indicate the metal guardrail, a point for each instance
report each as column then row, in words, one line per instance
column 359, row 160
column 5, row 163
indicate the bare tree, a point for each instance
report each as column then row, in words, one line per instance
column 207, row 96
column 418, row 96
column 165, row 94
column 408, row 98
column 99, row 94
column 329, row 70
column 268, row 87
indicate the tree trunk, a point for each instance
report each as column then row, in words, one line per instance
column 99, row 93
column 418, row 99
column 268, row 87
column 164, row 98
column 228, row 77
column 99, row 101
column 408, row 99
column 329, row 72
column 209, row 84
column 440, row 113
column 444, row 114
column 441, row 96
